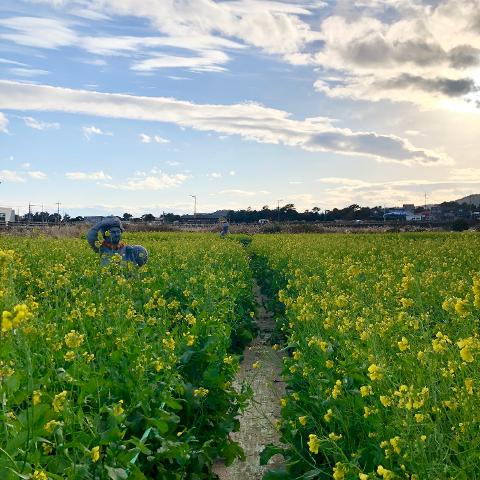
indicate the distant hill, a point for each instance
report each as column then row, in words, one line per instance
column 470, row 199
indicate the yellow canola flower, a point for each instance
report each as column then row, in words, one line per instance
column 95, row 454
column 385, row 400
column 118, row 408
column 51, row 425
column 7, row 323
column 375, row 372
column 69, row 356
column 256, row 365
column 73, row 339
column 439, row 344
column 386, row 474
column 363, row 476
column 395, row 443
column 200, row 392
column 313, row 443
column 39, row 475
column 366, row 390
column 328, row 416
column 465, row 345
column 403, row 344
column 337, row 389
column 36, row 397
column 339, row 471
column 58, row 403
column 469, row 386
column 302, row 420
column 333, row 436
column 460, row 308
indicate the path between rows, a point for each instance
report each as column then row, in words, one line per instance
column 257, row 423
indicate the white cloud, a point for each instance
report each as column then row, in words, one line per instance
column 208, row 61
column 244, row 193
column 12, row 62
column 11, row 176
column 38, row 125
column 231, row 172
column 27, row 72
column 154, row 180
column 425, row 54
column 25, row 166
column 208, row 28
column 172, row 163
column 100, row 175
column 214, row 175
column 144, row 138
column 37, row 32
column 21, row 176
column 3, row 123
column 249, row 120
column 37, row 175
column 88, row 132
column 346, row 191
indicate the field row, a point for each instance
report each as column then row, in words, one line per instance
column 115, row 373
column 383, row 371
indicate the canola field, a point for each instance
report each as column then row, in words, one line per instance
column 120, row 373
column 126, row 373
column 383, row 376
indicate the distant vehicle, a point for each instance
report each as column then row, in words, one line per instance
column 263, row 221
column 396, row 216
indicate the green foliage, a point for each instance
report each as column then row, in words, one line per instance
column 119, row 372
column 383, row 366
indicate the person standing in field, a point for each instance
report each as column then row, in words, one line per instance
column 111, row 229
column 225, row 227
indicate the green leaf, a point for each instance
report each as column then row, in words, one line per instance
column 276, row 475
column 117, row 473
column 231, row 451
column 268, row 452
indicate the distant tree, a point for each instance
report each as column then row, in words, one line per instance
column 148, row 217
column 54, row 218
column 127, row 217
column 460, row 224
column 171, row 217
column 66, row 218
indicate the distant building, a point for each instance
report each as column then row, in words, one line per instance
column 200, row 219
column 93, row 219
column 7, row 215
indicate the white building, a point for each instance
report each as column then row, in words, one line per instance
column 7, row 215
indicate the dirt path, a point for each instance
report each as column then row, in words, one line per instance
column 257, row 424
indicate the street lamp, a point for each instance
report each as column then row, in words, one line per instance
column 194, row 205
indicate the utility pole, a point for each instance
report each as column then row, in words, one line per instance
column 194, row 206
column 30, row 205
column 425, row 201
column 278, row 209
column 58, row 212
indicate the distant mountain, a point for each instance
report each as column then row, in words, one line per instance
column 470, row 199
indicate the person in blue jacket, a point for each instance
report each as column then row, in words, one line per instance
column 111, row 229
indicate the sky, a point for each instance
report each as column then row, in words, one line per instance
column 112, row 106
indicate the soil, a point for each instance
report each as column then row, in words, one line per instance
column 258, row 422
